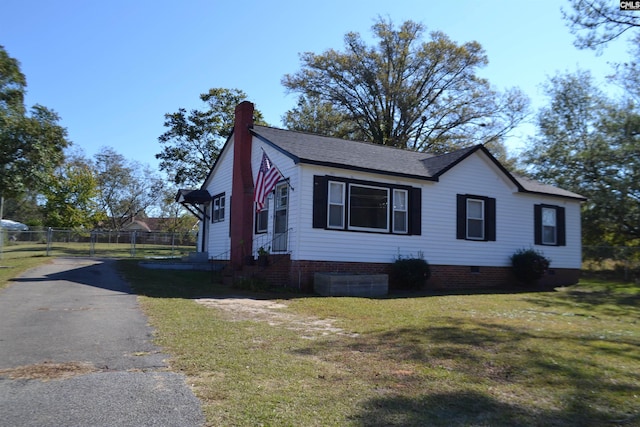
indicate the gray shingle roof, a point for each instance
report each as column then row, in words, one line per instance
column 316, row 149
column 355, row 155
column 533, row 186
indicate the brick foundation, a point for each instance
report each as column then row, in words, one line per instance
column 299, row 274
column 470, row 277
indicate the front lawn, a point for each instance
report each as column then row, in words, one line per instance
column 568, row 357
column 11, row 267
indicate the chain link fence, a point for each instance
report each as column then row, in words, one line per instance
column 66, row 242
column 620, row 261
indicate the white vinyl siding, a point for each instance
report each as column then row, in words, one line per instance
column 476, row 175
column 218, row 242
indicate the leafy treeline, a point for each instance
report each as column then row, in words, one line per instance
column 43, row 182
column 588, row 141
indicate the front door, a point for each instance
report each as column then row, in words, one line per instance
column 280, row 226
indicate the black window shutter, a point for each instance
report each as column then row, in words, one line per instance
column 461, row 216
column 561, row 227
column 415, row 211
column 490, row 219
column 320, row 201
column 537, row 224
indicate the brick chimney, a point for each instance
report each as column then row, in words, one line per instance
column 242, row 186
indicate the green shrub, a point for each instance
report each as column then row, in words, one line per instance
column 409, row 273
column 529, row 265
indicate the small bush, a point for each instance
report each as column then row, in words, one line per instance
column 529, row 265
column 409, row 273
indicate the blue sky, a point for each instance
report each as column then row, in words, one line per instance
column 112, row 69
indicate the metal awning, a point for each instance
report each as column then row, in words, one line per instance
column 192, row 200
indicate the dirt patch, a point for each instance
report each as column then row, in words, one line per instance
column 238, row 309
column 48, row 371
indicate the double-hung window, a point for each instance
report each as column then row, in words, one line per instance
column 400, row 211
column 549, row 225
column 336, row 206
column 262, row 219
column 218, row 208
column 475, row 218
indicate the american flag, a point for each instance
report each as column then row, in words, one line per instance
column 268, row 176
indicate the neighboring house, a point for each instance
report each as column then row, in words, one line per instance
column 346, row 206
column 146, row 224
column 137, row 225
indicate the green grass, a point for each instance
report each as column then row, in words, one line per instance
column 569, row 357
column 14, row 266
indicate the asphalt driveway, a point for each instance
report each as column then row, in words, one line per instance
column 76, row 350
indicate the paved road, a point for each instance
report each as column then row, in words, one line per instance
column 75, row 350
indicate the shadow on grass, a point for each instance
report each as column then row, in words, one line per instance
column 583, row 385
column 607, row 298
column 171, row 283
column 464, row 408
column 470, row 408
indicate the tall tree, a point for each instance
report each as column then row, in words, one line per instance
column 597, row 22
column 126, row 188
column 614, row 212
column 404, row 92
column 193, row 140
column 591, row 145
column 31, row 143
column 71, row 199
column 12, row 84
column 313, row 115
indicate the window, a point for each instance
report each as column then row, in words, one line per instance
column 476, row 218
column 282, row 195
column 336, row 205
column 354, row 205
column 549, row 225
column 280, row 222
column 262, row 220
column 218, row 208
column 400, row 211
column 368, row 208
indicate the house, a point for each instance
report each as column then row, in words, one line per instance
column 137, row 225
column 345, row 206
